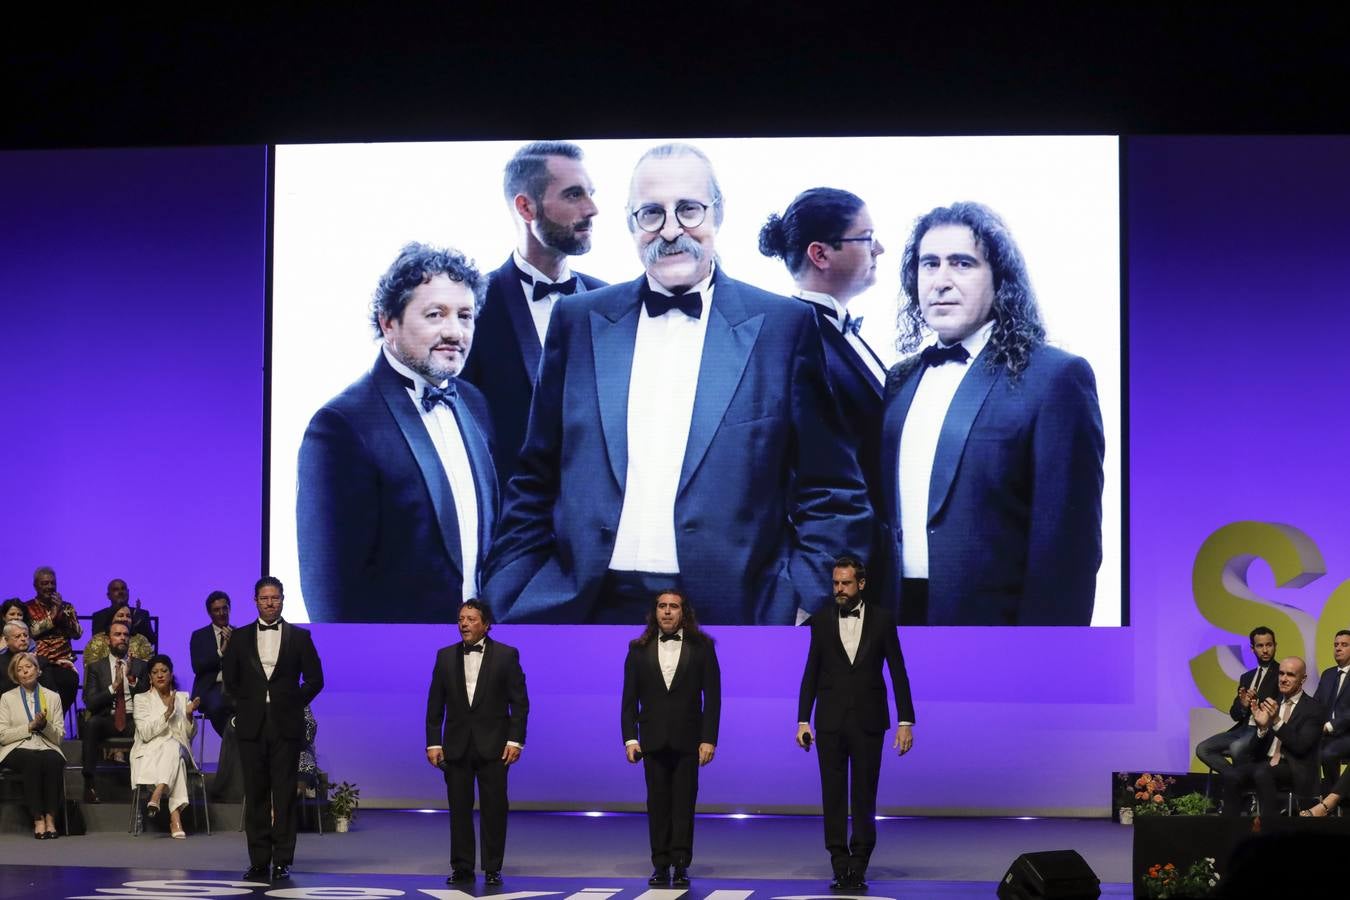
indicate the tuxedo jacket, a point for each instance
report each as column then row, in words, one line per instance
column 296, row 681
column 500, row 708
column 504, row 359
column 377, row 531
column 1270, row 689
column 1015, row 501
column 1300, row 744
column 98, row 678
column 841, row 690
column 682, row 716
column 769, row 492
column 205, row 660
column 1337, row 708
column 140, row 622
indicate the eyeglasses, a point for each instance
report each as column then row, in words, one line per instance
column 689, row 213
column 869, row 240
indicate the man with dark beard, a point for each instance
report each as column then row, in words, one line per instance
column 397, row 493
column 549, row 193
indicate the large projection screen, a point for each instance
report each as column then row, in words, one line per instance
column 342, row 212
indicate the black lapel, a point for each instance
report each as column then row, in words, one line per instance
column 484, row 475
column 254, row 659
column 682, row 665
column 833, row 337
column 517, row 310
column 965, row 406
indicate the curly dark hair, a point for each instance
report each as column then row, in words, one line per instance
column 416, row 265
column 688, row 621
column 159, row 658
column 15, row 601
column 1018, row 329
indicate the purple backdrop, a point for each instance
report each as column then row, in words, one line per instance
column 134, row 285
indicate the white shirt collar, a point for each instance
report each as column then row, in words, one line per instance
column 537, row 275
column 827, row 301
column 975, row 341
column 418, row 381
column 701, row 287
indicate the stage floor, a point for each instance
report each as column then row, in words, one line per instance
column 563, row 853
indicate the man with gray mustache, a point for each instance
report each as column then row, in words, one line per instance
column 681, row 435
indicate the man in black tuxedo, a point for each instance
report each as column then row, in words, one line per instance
column 118, row 597
column 397, row 498
column 477, row 708
column 549, row 193
column 991, row 443
column 1260, row 684
column 207, row 647
column 842, row 679
column 271, row 673
column 670, row 713
column 827, row 241
column 1284, row 753
column 1335, row 699
column 110, row 684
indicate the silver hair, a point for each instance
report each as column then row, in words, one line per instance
column 667, row 151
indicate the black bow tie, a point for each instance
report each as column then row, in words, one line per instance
column 474, row 648
column 275, row 626
column 669, row 637
column 851, row 325
column 854, row 613
column 543, row 289
column 433, row 395
column 690, row 303
column 936, row 356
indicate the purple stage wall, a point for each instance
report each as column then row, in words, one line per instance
column 134, row 285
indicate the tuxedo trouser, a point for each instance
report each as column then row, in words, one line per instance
column 41, row 772
column 850, row 768
column 271, row 762
column 625, row 598
column 1216, row 751
column 672, row 792
column 490, row 774
column 94, row 731
column 1262, row 777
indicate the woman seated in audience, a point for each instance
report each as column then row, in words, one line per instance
column 31, row 729
column 97, row 648
column 164, row 730
column 13, row 609
column 1332, row 800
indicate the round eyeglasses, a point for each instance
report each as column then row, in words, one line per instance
column 689, row 213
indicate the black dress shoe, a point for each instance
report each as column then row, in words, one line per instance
column 492, row 879
column 91, row 795
column 281, row 873
column 680, row 878
column 459, row 876
column 660, row 875
column 840, row 882
column 856, row 882
column 257, row 873
column 50, row 836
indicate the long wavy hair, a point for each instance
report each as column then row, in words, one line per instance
column 688, row 621
column 1018, row 329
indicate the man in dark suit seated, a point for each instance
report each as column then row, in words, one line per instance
column 1285, row 752
column 1335, row 699
column 397, row 494
column 16, row 640
column 682, row 434
column 670, row 713
column 991, row 444
column 109, row 686
column 118, row 597
column 549, row 193
column 1259, row 684
column 207, row 647
column 850, row 641
column 477, row 711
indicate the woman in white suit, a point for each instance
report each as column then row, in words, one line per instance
column 31, row 727
column 164, row 730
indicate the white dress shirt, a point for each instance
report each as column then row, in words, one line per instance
column 541, row 310
column 918, row 449
column 473, row 663
column 443, row 429
column 1285, row 713
column 855, row 341
column 269, row 648
column 668, row 655
column 220, row 648
column 667, row 353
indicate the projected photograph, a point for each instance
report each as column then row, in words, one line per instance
column 560, row 376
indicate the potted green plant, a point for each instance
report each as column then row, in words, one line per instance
column 343, row 800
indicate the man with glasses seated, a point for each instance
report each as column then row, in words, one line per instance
column 682, row 433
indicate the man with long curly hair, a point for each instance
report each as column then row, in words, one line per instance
column 992, row 441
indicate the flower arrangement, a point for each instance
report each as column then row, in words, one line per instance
column 1150, row 795
column 1166, row 880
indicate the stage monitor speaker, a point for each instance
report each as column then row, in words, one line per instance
column 1051, row 874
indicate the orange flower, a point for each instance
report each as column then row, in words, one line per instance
column 1169, row 867
column 1157, row 798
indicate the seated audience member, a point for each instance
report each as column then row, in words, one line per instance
column 32, row 725
column 110, row 684
column 164, row 730
column 1284, row 753
column 118, row 597
column 1335, row 699
column 53, row 623
column 16, row 639
column 207, row 646
column 1260, row 684
column 138, row 647
column 14, row 609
